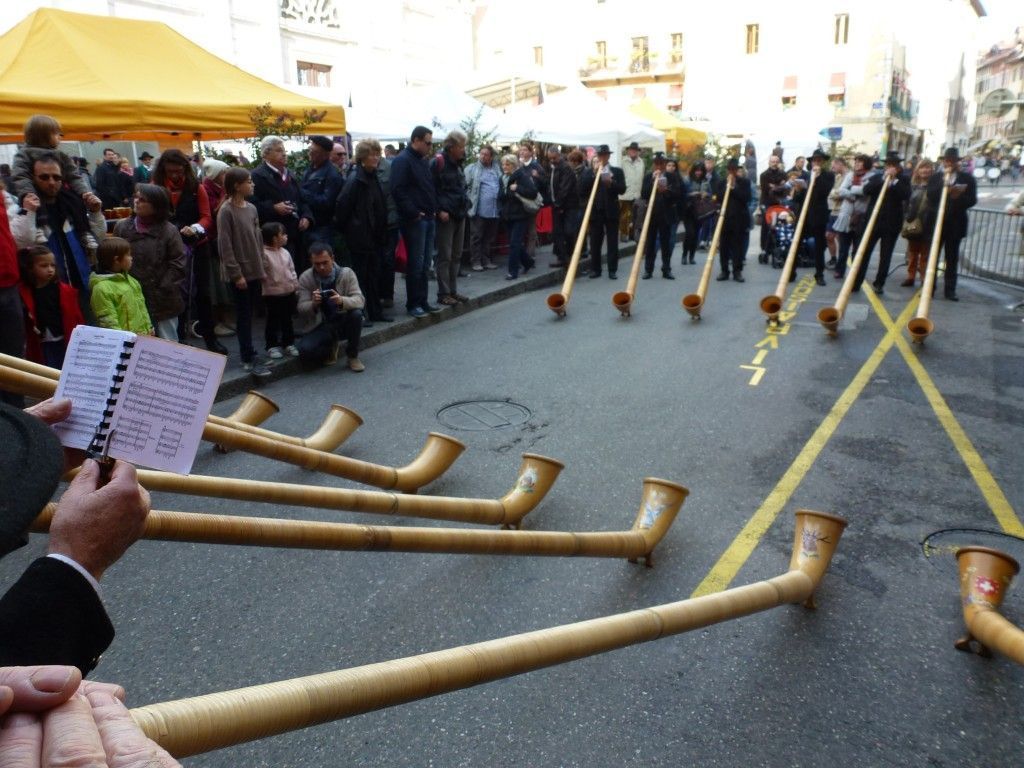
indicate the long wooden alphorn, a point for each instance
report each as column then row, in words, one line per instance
column 771, row 305
column 658, row 509
column 336, row 428
column 693, row 302
column 536, row 476
column 623, row 300
column 920, row 326
column 557, row 302
column 829, row 317
column 985, row 576
column 437, row 455
column 214, row 721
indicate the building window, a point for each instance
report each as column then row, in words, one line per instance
column 675, row 96
column 676, row 54
column 639, row 93
column 842, row 32
column 837, row 89
column 538, row 55
column 753, row 37
column 789, row 91
column 601, row 54
column 640, row 61
column 318, row 75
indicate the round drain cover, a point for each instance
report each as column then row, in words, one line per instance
column 480, row 415
column 943, row 545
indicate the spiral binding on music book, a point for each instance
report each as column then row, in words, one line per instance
column 99, row 439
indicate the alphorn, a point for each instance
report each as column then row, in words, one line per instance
column 693, row 302
column 214, row 721
column 335, row 429
column 557, row 302
column 658, row 509
column 985, row 576
column 920, row 327
column 771, row 305
column 437, row 455
column 536, row 476
column 829, row 317
column 623, row 300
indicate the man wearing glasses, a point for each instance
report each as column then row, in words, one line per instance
column 339, row 158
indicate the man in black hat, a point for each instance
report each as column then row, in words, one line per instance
column 53, row 614
column 604, row 217
column 732, row 248
column 816, row 221
column 660, row 229
column 633, row 170
column 889, row 221
column 963, row 194
column 144, row 170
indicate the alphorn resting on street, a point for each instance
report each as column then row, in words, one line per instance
column 217, row 720
column 436, row 456
column 985, row 576
column 658, row 509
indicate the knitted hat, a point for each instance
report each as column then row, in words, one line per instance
column 213, row 168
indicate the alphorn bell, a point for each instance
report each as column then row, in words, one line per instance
column 693, row 302
column 536, row 476
column 437, row 455
column 557, row 302
column 658, row 509
column 623, row 300
column 985, row 576
column 214, row 721
column 771, row 305
column 336, row 428
column 920, row 327
column 829, row 317
column 254, row 409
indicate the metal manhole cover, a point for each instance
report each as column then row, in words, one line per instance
column 940, row 547
column 480, row 415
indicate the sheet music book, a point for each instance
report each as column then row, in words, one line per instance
column 153, row 395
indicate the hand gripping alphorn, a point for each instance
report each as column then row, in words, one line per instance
column 336, row 428
column 623, row 300
column 985, row 576
column 920, row 327
column 192, row 726
column 536, row 476
column 557, row 302
column 693, row 302
column 658, row 509
column 436, row 456
column 771, row 305
column 829, row 317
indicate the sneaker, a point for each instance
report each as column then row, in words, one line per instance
column 417, row 312
column 830, row 263
column 355, row 364
column 432, row 309
column 491, row 265
column 257, row 368
column 511, row 277
column 275, row 353
column 477, row 268
column 291, row 350
column 223, row 329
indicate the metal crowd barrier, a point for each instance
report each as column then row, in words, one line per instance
column 994, row 247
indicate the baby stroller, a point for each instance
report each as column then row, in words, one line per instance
column 779, row 220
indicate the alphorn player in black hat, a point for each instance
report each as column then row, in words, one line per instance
column 816, row 221
column 604, row 218
column 963, row 194
column 732, row 249
column 890, row 218
column 660, row 231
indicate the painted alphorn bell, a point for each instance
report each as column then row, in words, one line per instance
column 693, row 302
column 658, row 509
column 214, row 721
column 623, row 300
column 536, row 476
column 920, row 327
column 985, row 576
column 771, row 305
column 829, row 317
column 437, row 455
column 557, row 302
column 336, row 428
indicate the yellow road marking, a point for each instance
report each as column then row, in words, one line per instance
column 758, row 374
column 729, row 564
column 759, row 357
column 986, row 482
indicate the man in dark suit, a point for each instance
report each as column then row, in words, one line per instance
column 816, row 222
column 889, row 221
column 604, row 217
column 277, row 197
column 732, row 249
column 963, row 194
column 660, row 228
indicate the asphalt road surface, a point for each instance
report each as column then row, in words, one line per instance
column 755, row 424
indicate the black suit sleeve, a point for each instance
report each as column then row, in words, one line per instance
column 52, row 615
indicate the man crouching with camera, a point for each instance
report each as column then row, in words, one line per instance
column 332, row 291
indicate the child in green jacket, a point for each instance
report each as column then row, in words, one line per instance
column 117, row 300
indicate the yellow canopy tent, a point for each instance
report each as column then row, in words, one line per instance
column 104, row 77
column 684, row 138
